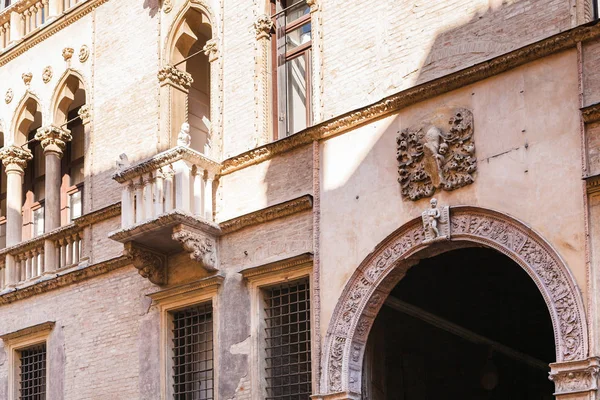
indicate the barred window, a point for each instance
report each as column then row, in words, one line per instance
column 288, row 357
column 32, row 373
column 193, row 353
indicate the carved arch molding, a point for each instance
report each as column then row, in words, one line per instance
column 368, row 288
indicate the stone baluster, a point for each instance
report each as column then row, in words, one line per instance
column 127, row 206
column 169, row 192
column 39, row 14
column 53, row 140
column 182, row 185
column 198, row 174
column 76, row 248
column 17, row 26
column 148, row 196
column 158, row 192
column 208, row 196
column 139, row 200
column 69, row 250
column 55, row 8
column 63, row 252
column 40, row 261
column 15, row 160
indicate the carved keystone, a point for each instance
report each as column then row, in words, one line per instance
column 202, row 248
column 150, row 264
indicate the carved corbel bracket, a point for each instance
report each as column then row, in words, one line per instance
column 171, row 75
column 85, row 113
column 15, row 156
column 202, row 247
column 211, row 50
column 53, row 138
column 575, row 376
column 150, row 264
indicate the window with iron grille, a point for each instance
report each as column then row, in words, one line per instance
column 193, row 377
column 287, row 356
column 32, row 373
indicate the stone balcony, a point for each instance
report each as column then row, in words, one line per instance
column 166, row 207
column 23, row 17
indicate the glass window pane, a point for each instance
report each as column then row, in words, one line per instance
column 76, row 174
column 297, row 8
column 297, row 94
column 77, row 142
column 38, row 222
column 76, row 205
column 39, row 162
column 298, row 36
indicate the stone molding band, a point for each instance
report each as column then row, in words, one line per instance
column 379, row 273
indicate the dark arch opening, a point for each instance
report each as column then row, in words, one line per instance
column 468, row 324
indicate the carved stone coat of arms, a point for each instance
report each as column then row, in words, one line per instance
column 431, row 159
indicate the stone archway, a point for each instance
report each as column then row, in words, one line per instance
column 370, row 285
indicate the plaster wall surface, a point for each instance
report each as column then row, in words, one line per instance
column 529, row 166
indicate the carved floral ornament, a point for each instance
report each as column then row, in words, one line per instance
column 430, row 159
column 201, row 247
column 15, row 155
column 8, row 97
column 53, row 138
column 368, row 288
column 173, row 75
column 150, row 264
column 47, row 74
column 27, row 76
column 263, row 26
column 211, row 50
column 84, row 53
column 67, row 53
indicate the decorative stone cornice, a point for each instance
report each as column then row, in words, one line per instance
column 166, row 158
column 211, row 50
column 591, row 113
column 53, row 138
column 202, row 284
column 592, row 184
column 394, row 103
column 150, row 264
column 43, row 327
column 267, row 214
column 48, row 30
column 263, row 26
column 15, row 156
column 62, row 279
column 287, row 264
column 170, row 75
column 202, row 247
column 108, row 212
column 575, row 376
column 85, row 113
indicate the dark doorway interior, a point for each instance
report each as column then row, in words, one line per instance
column 467, row 324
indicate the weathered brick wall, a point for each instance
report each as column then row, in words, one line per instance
column 591, row 79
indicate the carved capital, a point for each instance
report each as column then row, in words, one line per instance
column 150, row 264
column 576, row 376
column 170, row 75
column 15, row 156
column 85, row 113
column 53, row 138
column 201, row 247
column 313, row 4
column 264, row 27
column 211, row 50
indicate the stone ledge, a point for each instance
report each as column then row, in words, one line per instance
column 211, row 281
column 43, row 327
column 592, row 183
column 62, row 279
column 394, row 103
column 286, row 264
column 102, row 214
column 267, row 214
column 591, row 113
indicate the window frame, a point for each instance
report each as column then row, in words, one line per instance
column 257, row 285
column 176, row 299
column 67, row 165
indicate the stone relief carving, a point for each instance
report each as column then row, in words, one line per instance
column 67, row 53
column 576, row 381
column 201, row 247
column 150, row 264
column 436, row 222
column 175, row 76
column 85, row 113
column 371, row 283
column 430, row 159
column 211, row 50
column 27, row 76
column 167, row 6
column 84, row 53
column 263, row 26
column 184, row 138
column 47, row 74
column 8, row 97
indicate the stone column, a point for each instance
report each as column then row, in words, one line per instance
column 212, row 52
column 174, row 88
column 316, row 95
column 53, row 140
column 15, row 160
column 85, row 115
column 264, row 27
column 576, row 380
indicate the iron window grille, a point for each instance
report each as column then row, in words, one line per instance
column 288, row 352
column 32, row 372
column 193, row 375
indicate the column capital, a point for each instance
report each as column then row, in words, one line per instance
column 53, row 138
column 575, row 377
column 313, row 4
column 171, row 75
column 211, row 50
column 85, row 113
column 15, row 157
column 263, row 26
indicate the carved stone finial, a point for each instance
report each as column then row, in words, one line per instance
column 150, row 264
column 8, row 97
column 436, row 222
column 210, row 50
column 174, row 76
column 53, row 138
column 67, row 53
column 85, row 113
column 27, row 76
column 122, row 162
column 84, row 53
column 184, row 138
column 201, row 247
column 47, row 74
column 429, row 159
column 15, row 156
column 264, row 27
